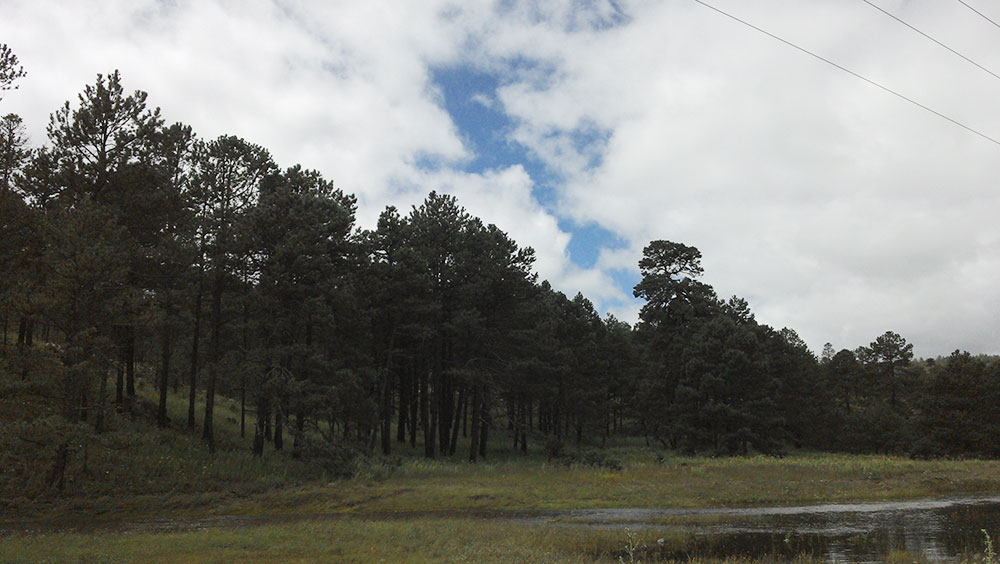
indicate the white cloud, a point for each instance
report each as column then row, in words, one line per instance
column 834, row 207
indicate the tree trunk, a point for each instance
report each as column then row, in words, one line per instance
column 101, row 400
column 193, row 372
column 208, row 433
column 84, row 398
column 23, row 343
column 300, row 427
column 477, row 407
column 425, row 417
column 484, row 426
column 453, row 444
column 165, row 337
column 119, row 338
column 120, row 381
column 58, row 471
column 386, row 412
column 431, row 438
column 258, row 433
column 130, row 368
column 243, row 406
column 279, row 425
column 445, row 404
column 465, row 418
column 404, row 407
column 414, row 406
column 266, row 409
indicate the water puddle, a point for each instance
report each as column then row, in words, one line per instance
column 937, row 530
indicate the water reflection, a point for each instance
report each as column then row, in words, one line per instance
column 938, row 530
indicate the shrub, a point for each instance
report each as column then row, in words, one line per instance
column 594, row 459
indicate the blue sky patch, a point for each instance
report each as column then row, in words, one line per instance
column 469, row 95
column 470, row 98
column 587, row 242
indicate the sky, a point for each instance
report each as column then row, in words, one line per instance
column 587, row 128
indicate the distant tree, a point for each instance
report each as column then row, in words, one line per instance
column 668, row 284
column 956, row 410
column 96, row 188
column 172, row 250
column 828, row 353
column 229, row 173
column 101, row 138
column 844, row 376
column 300, row 232
column 10, row 69
column 802, row 398
column 890, row 352
column 13, row 150
column 676, row 307
column 18, row 228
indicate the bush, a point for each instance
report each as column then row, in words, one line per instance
column 339, row 459
column 594, row 459
column 376, row 468
column 554, row 448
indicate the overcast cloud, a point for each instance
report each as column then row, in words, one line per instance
column 834, row 207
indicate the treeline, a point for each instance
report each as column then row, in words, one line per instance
column 714, row 380
column 124, row 237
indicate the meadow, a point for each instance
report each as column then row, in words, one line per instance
column 164, row 499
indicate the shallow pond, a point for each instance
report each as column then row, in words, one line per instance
column 939, row 530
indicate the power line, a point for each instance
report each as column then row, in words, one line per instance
column 984, row 16
column 931, row 38
column 850, row 72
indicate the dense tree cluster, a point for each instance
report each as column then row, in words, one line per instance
column 123, row 237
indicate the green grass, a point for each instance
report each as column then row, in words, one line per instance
column 135, row 471
column 357, row 541
column 417, row 541
column 534, row 484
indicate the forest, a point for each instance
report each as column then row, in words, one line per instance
column 132, row 250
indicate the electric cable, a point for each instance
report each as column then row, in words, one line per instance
column 931, row 38
column 984, row 16
column 850, row 72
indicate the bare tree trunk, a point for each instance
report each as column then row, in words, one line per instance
column 453, row 444
column 58, row 472
column 243, row 406
column 425, row 423
column 130, row 368
column 385, row 421
column 101, row 400
column 300, row 426
column 193, row 373
column 165, row 337
column 279, row 424
column 208, row 432
column 477, row 407
column 258, row 434
column 414, row 406
column 484, row 426
column 120, row 369
column 404, row 407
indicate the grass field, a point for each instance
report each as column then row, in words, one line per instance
column 434, row 486
column 135, row 473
